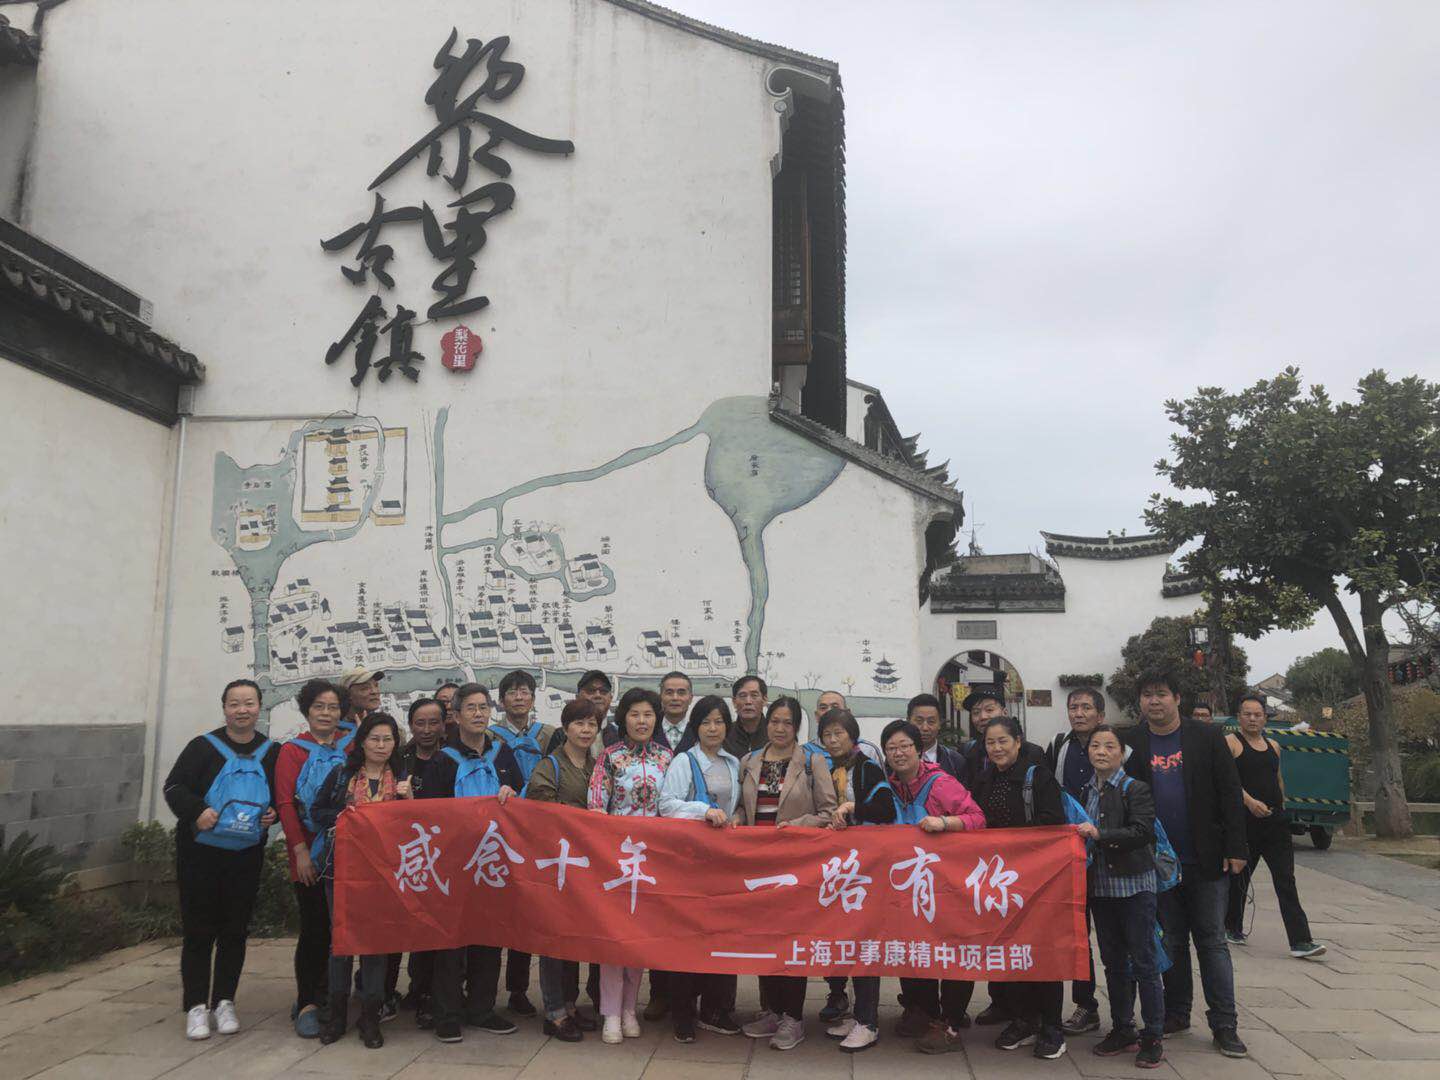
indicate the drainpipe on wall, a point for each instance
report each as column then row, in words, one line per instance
column 186, row 407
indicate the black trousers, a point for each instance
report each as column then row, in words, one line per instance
column 716, row 993
column 661, row 984
column 784, row 994
column 1269, row 839
column 939, row 999
column 1082, row 993
column 517, row 971
column 421, row 968
column 1036, row 1002
column 312, row 948
column 466, row 982
column 217, row 895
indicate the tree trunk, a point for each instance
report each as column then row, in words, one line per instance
column 1392, row 811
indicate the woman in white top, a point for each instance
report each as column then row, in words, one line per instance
column 703, row 783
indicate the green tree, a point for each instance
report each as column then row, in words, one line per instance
column 1302, row 499
column 1324, row 678
column 1165, row 646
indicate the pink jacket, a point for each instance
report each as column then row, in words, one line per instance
column 948, row 797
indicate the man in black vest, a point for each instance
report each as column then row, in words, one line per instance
column 1192, row 775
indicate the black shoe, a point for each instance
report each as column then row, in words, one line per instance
column 1152, row 1053
column 448, row 1031
column 563, row 1029
column 585, row 1021
column 333, row 1029
column 389, row 1008
column 1050, row 1043
column 657, row 1008
column 962, row 1023
column 992, row 1015
column 1229, row 1044
column 1081, row 1021
column 684, row 1031
column 1017, row 1033
column 369, row 1026
column 721, row 1023
column 1175, row 1026
column 913, row 1023
column 492, row 1024
column 1117, row 1042
column 424, row 1018
column 837, row 1004
column 520, row 1005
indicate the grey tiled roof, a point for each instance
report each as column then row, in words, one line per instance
column 1106, row 547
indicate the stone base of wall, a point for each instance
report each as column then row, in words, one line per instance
column 74, row 786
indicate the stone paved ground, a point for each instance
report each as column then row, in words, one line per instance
column 1371, row 1011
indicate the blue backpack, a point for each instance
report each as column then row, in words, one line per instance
column 702, row 789
column 910, row 813
column 525, row 747
column 1074, row 813
column 554, row 764
column 1167, row 863
column 474, row 775
column 240, row 793
column 813, row 748
column 319, row 763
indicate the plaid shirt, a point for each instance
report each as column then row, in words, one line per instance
column 1102, row 882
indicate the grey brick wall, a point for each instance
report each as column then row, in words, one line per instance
column 76, row 786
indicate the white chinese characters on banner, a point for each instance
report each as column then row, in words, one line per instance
column 843, row 881
column 997, row 896
column 630, row 869
column 904, row 955
column 488, row 862
column 416, row 870
column 563, row 861
column 920, row 882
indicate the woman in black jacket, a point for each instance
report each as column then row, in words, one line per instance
column 373, row 772
column 865, row 798
column 1018, row 793
column 1122, row 892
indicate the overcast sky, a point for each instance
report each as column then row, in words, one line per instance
column 1063, row 212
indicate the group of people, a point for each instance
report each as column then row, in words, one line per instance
column 1173, row 812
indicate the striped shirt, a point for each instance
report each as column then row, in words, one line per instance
column 1102, row 882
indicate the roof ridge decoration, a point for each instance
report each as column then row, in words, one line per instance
column 728, row 38
column 921, row 481
column 1106, row 547
column 17, row 46
column 41, row 284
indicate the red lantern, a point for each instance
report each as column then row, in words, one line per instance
column 1200, row 658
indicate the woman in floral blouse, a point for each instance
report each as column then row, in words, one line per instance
column 626, row 781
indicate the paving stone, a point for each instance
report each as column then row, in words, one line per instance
column 1416, row 1019
column 1278, row 1055
column 110, row 1067
column 1324, row 1046
column 1215, row 1066
column 31, row 1014
column 1406, row 1047
column 1370, row 1069
column 252, row 1055
column 707, row 1047
column 434, row 1070
column 692, row 1070
column 1323, row 998
column 25, row 1055
column 1357, row 1020
column 350, row 1057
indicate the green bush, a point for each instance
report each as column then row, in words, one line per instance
column 30, row 876
column 1422, row 777
column 275, row 912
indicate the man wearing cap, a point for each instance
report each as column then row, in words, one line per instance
column 362, row 693
column 596, row 688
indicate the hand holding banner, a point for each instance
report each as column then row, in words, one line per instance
column 683, row 896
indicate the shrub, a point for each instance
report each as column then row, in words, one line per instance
column 30, row 875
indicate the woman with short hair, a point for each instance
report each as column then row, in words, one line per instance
column 373, row 772
column 1015, row 794
column 782, row 784
column 703, row 784
column 865, row 798
column 626, row 782
column 223, row 807
column 304, row 763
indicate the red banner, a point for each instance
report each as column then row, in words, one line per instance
column 683, row 896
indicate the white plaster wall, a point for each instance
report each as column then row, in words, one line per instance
column 855, row 412
column 633, row 276
column 82, row 508
column 1106, row 603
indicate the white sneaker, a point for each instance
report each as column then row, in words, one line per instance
column 629, row 1025
column 790, row 1035
column 611, row 1032
column 841, row 1028
column 197, row 1023
column 860, row 1038
column 226, row 1022
column 765, row 1024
